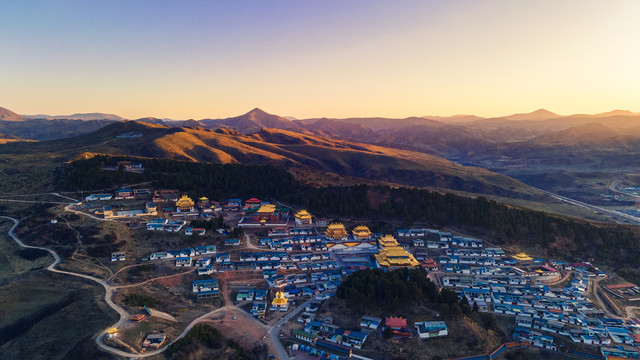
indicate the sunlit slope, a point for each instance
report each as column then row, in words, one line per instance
column 287, row 149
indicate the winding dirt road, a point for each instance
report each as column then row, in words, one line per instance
column 124, row 315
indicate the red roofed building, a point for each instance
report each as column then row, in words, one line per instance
column 398, row 325
column 429, row 264
column 252, row 203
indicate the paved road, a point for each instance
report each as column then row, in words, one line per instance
column 584, row 205
column 274, row 332
column 68, row 208
column 249, row 244
column 35, row 202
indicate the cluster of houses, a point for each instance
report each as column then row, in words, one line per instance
column 318, row 284
column 511, row 285
column 161, row 224
column 126, row 165
column 120, row 194
column 317, row 261
column 324, row 335
column 108, row 212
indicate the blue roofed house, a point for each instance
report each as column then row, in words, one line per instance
column 429, row 329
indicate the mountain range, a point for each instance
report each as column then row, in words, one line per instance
column 406, row 151
column 295, row 150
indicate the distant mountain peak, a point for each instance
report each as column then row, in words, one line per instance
column 8, row 115
column 540, row 114
column 616, row 113
column 257, row 111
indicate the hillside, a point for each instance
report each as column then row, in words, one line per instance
column 78, row 116
column 8, row 115
column 43, row 129
column 289, row 149
column 588, row 133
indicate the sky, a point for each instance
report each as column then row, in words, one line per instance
column 214, row 59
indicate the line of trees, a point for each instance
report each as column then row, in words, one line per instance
column 216, row 181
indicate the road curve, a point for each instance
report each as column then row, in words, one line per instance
column 124, row 315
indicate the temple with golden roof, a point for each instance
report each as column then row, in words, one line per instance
column 522, row 258
column 361, row 232
column 336, row 231
column 185, row 204
column 303, row 218
column 279, row 302
column 393, row 256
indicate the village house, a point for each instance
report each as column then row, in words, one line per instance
column 251, row 204
column 370, row 322
column 206, row 288
column 259, row 309
column 165, row 195
column 118, row 256
column 232, row 242
column 206, row 270
column 123, row 193
column 398, row 326
column 430, row 329
column 429, row 265
column 245, row 295
column 191, row 231
column 99, row 197
column 183, row 261
column 154, row 341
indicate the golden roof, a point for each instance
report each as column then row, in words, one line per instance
column 397, row 260
column 361, row 231
column 303, row 214
column 388, row 240
column 393, row 255
column 268, row 208
column 522, row 257
column 279, row 300
column 336, row 230
column 184, row 202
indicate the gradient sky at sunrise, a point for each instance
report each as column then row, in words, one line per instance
column 199, row 59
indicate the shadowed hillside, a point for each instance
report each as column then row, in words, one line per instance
column 288, row 149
